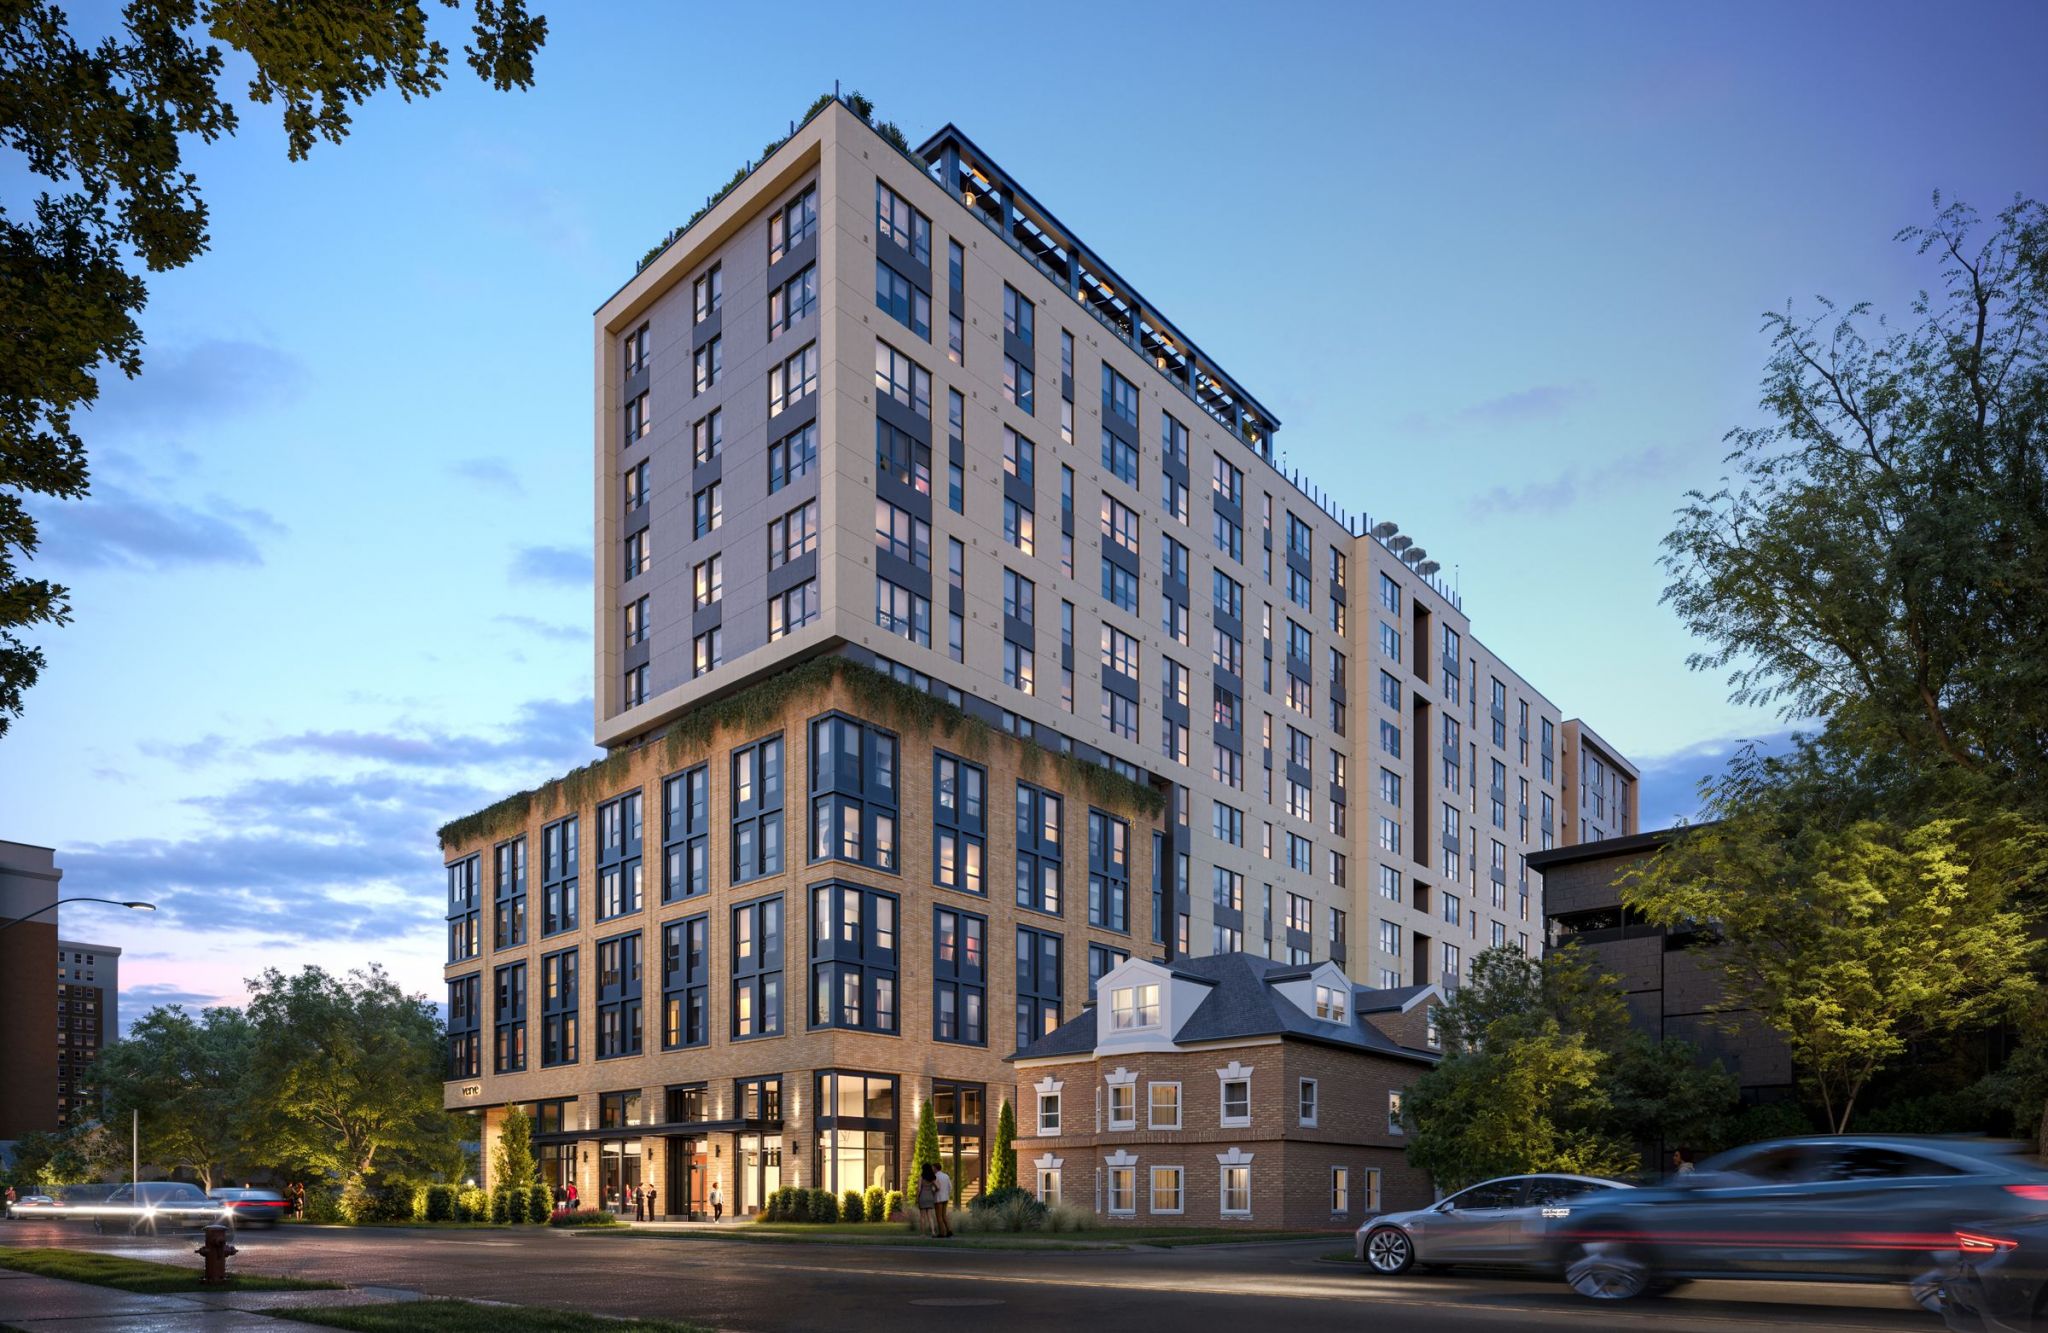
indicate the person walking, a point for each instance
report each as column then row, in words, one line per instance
column 570, row 1190
column 1679, row 1165
column 298, row 1200
column 10, row 1201
column 945, row 1196
column 561, row 1197
column 717, row 1202
column 927, row 1200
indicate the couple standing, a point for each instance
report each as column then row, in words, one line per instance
column 934, row 1192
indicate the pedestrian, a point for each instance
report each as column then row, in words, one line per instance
column 927, row 1200
column 945, row 1196
column 1679, row 1165
column 561, row 1197
column 570, row 1190
column 298, row 1200
column 10, row 1201
column 717, row 1202
column 644, row 1197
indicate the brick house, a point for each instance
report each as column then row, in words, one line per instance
column 1228, row 1089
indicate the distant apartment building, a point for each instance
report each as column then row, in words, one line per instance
column 885, row 407
column 28, row 977
column 88, row 1019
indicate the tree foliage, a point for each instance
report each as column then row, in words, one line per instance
column 1003, row 1171
column 1880, row 557
column 105, row 123
column 514, row 1164
column 188, row 1079
column 348, row 1072
column 1541, row 1073
column 1852, row 937
column 926, row 1151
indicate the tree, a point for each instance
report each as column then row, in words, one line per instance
column 1003, row 1172
column 1855, row 937
column 1506, row 988
column 105, row 123
column 1662, row 1093
column 1881, row 559
column 75, row 1156
column 514, row 1165
column 189, row 1081
column 348, row 1072
column 926, row 1152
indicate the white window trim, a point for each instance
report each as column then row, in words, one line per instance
column 1120, row 1160
column 1370, row 1198
column 1058, row 1116
column 1315, row 1099
column 1180, row 1104
column 1223, row 1171
column 1335, row 1211
column 1128, row 1122
column 1228, row 1120
column 1180, row 1191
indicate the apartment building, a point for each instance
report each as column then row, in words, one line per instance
column 88, row 1018
column 886, row 405
column 746, row 955
column 1228, row 1090
column 29, row 876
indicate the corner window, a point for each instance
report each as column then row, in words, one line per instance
column 1237, row 1191
column 1307, row 1106
column 1237, row 1101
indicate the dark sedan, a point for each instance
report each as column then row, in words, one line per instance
column 1847, row 1209
column 254, row 1208
column 153, row 1206
column 1998, row 1282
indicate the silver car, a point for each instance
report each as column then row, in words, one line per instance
column 1497, row 1223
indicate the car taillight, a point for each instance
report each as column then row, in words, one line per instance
column 1971, row 1243
column 2035, row 1193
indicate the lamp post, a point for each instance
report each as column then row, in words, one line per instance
column 51, row 907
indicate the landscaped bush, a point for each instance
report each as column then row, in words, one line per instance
column 472, row 1204
column 583, row 1217
column 824, row 1206
column 375, row 1201
column 1002, row 1210
column 439, row 1204
column 797, row 1208
column 540, row 1203
column 501, row 1204
column 1068, row 1217
column 875, row 1204
column 323, row 1203
column 892, row 1204
column 853, row 1207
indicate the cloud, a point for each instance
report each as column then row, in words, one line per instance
column 556, row 731
column 116, row 528
column 540, row 629
column 1531, row 404
column 488, row 472
column 551, row 564
column 198, row 384
column 1577, row 483
column 139, row 1000
column 1670, row 785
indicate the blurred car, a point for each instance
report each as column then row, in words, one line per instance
column 254, row 1208
column 36, row 1205
column 1498, row 1223
column 156, row 1205
column 1823, row 1209
column 1998, row 1282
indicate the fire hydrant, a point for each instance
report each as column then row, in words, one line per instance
column 215, row 1250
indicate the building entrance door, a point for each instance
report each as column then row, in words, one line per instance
column 689, row 1178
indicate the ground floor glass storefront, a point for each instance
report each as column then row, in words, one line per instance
column 856, row 1132
column 959, row 1110
column 618, row 1173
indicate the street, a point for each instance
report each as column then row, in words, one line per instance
column 771, row 1288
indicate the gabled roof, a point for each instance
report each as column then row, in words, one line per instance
column 1243, row 1002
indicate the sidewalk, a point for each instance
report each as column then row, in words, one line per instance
column 52, row 1305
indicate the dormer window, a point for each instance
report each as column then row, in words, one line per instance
column 1330, row 1004
column 1134, row 1007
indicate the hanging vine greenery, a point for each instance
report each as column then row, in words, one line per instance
column 871, row 694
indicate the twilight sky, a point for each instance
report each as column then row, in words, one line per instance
column 1498, row 268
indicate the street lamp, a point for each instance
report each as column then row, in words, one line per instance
column 51, row 907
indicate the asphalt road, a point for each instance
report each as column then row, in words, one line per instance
column 771, row 1288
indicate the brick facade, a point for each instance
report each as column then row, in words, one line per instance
column 911, row 1056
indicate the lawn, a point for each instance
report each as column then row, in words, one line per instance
column 895, row 1233
column 140, row 1276
column 463, row 1317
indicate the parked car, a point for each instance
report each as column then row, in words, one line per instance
column 1497, row 1223
column 36, row 1205
column 1833, row 1209
column 1998, row 1281
column 156, row 1205
column 254, row 1208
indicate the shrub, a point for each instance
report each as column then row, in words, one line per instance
column 501, row 1204
column 375, row 1201
column 853, row 1207
column 439, row 1205
column 323, row 1203
column 583, row 1217
column 892, row 1204
column 472, row 1204
column 824, row 1206
column 1068, row 1217
column 540, row 1203
column 875, row 1206
column 797, row 1208
column 990, row 1200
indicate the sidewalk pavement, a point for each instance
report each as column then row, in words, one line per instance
column 53, row 1305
